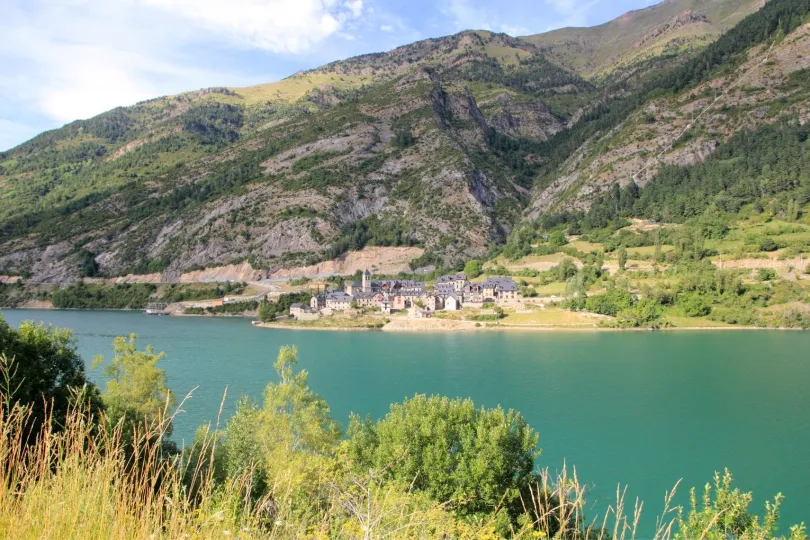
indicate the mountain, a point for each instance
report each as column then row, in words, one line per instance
column 446, row 144
column 387, row 149
column 673, row 27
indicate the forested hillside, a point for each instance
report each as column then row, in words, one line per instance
column 447, row 144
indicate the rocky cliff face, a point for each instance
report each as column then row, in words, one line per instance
column 442, row 145
column 686, row 128
column 282, row 176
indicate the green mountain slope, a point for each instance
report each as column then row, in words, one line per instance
column 754, row 75
column 389, row 149
column 445, row 144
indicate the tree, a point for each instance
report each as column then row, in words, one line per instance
column 566, row 269
column 644, row 313
column 268, row 311
column 723, row 513
column 290, row 437
column 476, row 459
column 792, row 212
column 41, row 369
column 557, row 239
column 136, row 395
column 610, row 302
column 694, row 304
column 473, row 269
column 658, row 243
column 622, row 257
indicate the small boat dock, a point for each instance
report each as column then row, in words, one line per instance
column 157, row 308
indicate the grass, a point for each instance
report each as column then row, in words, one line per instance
column 551, row 289
column 550, row 317
column 295, row 87
column 78, row 483
column 680, row 321
column 647, row 251
column 368, row 321
column 586, row 247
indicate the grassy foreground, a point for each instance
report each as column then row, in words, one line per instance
column 80, row 483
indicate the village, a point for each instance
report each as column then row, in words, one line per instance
column 451, row 293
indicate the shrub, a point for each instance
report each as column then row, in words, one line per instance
column 41, row 368
column 766, row 274
column 473, row 269
column 694, row 305
column 767, row 244
column 644, row 313
column 610, row 302
column 491, row 462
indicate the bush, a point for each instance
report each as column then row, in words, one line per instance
column 767, row 244
column 41, row 368
column 268, row 311
column 766, row 274
column 473, row 269
column 557, row 239
column 694, row 305
column 234, row 308
column 610, row 302
column 86, row 296
column 491, row 462
column 645, row 313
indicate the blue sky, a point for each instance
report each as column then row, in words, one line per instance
column 61, row 60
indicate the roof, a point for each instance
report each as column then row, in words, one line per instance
column 339, row 296
column 461, row 276
column 401, row 283
column 504, row 283
column 296, row 306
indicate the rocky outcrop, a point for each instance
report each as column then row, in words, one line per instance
column 682, row 131
column 530, row 119
column 380, row 260
column 229, row 272
column 680, row 20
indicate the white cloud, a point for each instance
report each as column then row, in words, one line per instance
column 285, row 26
column 387, row 28
column 571, row 12
column 514, row 30
column 356, row 7
column 517, row 17
column 466, row 15
column 68, row 59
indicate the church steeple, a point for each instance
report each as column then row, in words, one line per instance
column 366, row 281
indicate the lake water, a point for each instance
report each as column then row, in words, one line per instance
column 643, row 409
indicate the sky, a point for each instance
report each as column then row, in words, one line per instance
column 62, row 60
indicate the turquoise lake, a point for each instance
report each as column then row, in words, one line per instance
column 640, row 409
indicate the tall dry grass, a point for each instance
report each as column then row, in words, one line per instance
column 82, row 481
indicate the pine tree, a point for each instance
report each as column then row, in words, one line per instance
column 658, row 244
column 622, row 258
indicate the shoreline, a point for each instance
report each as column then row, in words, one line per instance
column 126, row 310
column 420, row 329
column 429, row 325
